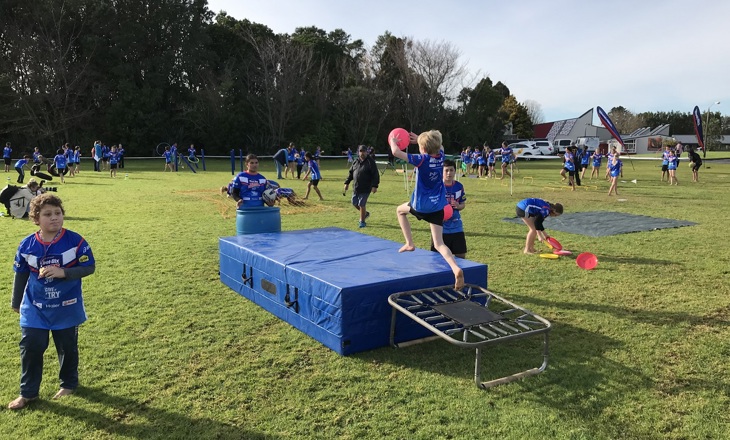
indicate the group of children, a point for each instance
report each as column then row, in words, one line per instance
column 482, row 161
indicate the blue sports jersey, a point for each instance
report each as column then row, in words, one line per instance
column 77, row 156
column 615, row 168
column 52, row 303
column 506, row 153
column 250, row 188
column 36, row 157
column 597, row 157
column 454, row 192
column 21, row 163
column 168, row 156
column 314, row 169
column 429, row 194
column 60, row 161
column 673, row 161
column 569, row 165
column 6, row 152
column 490, row 157
column 113, row 158
column 585, row 158
column 535, row 207
column 191, row 152
column 665, row 158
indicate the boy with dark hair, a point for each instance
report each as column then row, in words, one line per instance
column 248, row 187
column 315, row 176
column 453, row 227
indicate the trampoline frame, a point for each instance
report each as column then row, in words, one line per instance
column 472, row 317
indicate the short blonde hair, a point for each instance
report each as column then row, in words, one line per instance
column 430, row 141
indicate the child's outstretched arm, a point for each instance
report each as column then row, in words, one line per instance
column 397, row 152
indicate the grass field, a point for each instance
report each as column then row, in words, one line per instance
column 639, row 347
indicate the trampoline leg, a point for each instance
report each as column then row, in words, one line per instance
column 392, row 328
column 513, row 377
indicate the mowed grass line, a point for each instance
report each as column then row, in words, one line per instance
column 639, row 347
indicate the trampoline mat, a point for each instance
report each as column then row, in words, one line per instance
column 468, row 313
column 605, row 223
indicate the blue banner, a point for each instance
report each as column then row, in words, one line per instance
column 697, row 119
column 608, row 123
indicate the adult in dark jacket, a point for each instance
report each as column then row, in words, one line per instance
column 364, row 171
column 281, row 161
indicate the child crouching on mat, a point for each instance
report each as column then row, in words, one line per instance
column 429, row 197
column 533, row 212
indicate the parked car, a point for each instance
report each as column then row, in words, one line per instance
column 545, row 147
column 559, row 145
column 525, row 150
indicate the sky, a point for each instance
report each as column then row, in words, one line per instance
column 567, row 55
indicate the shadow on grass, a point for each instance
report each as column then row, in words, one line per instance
column 82, row 219
column 580, row 381
column 634, row 260
column 145, row 422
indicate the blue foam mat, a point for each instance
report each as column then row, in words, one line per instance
column 342, row 279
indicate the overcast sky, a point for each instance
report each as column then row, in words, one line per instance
column 568, row 55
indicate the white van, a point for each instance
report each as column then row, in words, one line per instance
column 559, row 145
column 593, row 142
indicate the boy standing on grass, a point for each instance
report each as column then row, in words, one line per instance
column 20, row 167
column 48, row 268
column 168, row 159
column 429, row 196
column 315, row 176
column 453, row 227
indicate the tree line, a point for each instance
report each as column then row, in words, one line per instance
column 142, row 72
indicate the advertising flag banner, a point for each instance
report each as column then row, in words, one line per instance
column 697, row 119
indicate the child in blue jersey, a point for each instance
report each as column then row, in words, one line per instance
column 533, row 213
column 248, row 186
column 665, row 163
column 7, row 156
column 569, row 166
column 291, row 160
column 168, row 159
column 585, row 159
column 48, row 268
column 596, row 157
column 192, row 154
column 453, row 233
column 37, row 156
column 60, row 162
column 313, row 171
column 69, row 153
column 508, row 157
column 300, row 163
column 614, row 169
column 113, row 162
column 77, row 160
column 491, row 159
column 20, row 167
column 429, row 196
column 672, row 168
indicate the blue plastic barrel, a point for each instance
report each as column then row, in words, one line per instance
column 257, row 220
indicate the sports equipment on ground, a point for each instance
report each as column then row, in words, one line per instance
column 586, row 261
column 269, row 195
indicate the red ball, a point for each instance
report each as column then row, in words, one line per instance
column 402, row 135
column 448, row 212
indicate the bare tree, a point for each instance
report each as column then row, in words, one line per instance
column 534, row 109
column 280, row 80
column 438, row 65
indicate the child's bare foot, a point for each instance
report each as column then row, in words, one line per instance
column 63, row 392
column 459, row 283
column 20, row 402
column 407, row 248
column 529, row 251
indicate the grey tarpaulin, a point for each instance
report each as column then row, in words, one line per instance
column 605, row 223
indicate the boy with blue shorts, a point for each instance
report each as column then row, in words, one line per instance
column 429, row 197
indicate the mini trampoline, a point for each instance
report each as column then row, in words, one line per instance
column 472, row 317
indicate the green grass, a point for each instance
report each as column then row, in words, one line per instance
column 639, row 347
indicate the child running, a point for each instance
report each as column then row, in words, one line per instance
column 315, row 176
column 533, row 213
column 429, row 196
column 48, row 268
column 614, row 169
